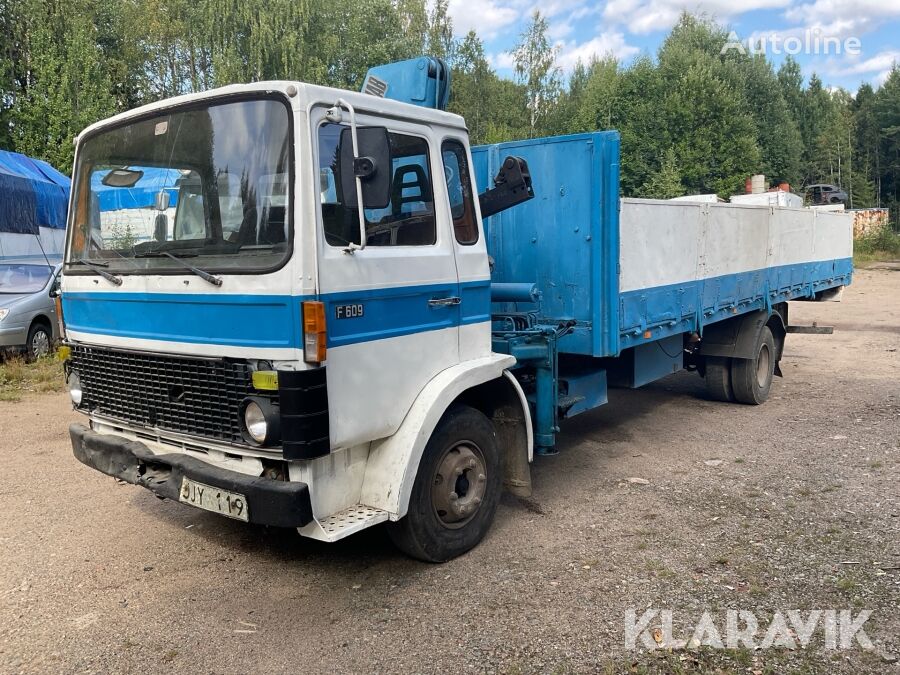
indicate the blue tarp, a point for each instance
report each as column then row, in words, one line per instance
column 142, row 195
column 32, row 195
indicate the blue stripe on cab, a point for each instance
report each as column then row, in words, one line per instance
column 273, row 321
column 265, row 321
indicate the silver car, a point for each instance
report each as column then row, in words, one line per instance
column 28, row 291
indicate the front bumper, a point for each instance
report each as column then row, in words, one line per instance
column 270, row 502
column 15, row 336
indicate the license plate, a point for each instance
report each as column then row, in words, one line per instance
column 214, row 499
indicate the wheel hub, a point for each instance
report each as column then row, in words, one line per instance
column 40, row 344
column 459, row 484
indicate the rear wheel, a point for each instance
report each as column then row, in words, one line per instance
column 456, row 491
column 40, row 340
column 752, row 378
column 718, row 378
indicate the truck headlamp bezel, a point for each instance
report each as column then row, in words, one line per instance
column 73, row 383
column 260, row 421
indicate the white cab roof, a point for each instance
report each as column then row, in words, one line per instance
column 306, row 95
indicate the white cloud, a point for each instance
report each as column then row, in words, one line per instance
column 648, row 16
column 875, row 68
column 882, row 61
column 501, row 61
column 843, row 18
column 606, row 43
column 486, row 17
column 560, row 30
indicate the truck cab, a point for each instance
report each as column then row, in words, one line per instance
column 261, row 324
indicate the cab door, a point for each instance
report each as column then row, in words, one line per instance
column 393, row 308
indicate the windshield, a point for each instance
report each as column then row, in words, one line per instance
column 23, row 278
column 209, row 183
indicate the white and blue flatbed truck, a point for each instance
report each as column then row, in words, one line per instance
column 290, row 305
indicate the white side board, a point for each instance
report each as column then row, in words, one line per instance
column 664, row 242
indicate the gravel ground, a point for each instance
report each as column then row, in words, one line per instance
column 794, row 504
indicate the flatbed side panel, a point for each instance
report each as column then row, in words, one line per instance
column 687, row 266
column 565, row 239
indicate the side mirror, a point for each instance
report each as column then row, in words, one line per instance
column 372, row 167
column 162, row 200
column 161, row 227
column 56, row 287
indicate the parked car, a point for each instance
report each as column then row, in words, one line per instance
column 28, row 305
column 823, row 193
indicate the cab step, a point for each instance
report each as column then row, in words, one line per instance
column 344, row 523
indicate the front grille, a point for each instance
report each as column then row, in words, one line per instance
column 199, row 397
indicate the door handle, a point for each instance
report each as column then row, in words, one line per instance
column 444, row 302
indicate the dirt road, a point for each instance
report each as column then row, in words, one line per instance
column 794, row 504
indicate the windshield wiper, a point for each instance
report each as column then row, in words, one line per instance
column 203, row 274
column 98, row 268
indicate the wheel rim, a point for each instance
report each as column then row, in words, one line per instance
column 459, row 484
column 40, row 343
column 763, row 361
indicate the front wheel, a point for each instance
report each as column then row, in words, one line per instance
column 40, row 341
column 456, row 491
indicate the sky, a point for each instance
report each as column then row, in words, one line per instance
column 846, row 42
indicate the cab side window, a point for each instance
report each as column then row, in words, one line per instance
column 408, row 220
column 459, row 188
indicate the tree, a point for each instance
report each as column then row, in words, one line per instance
column 472, row 79
column 887, row 116
column 666, row 182
column 535, row 67
column 413, row 16
column 439, row 37
column 64, row 86
column 596, row 98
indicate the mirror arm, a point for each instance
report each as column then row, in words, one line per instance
column 352, row 248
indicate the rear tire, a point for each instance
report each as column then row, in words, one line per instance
column 40, row 341
column 752, row 378
column 456, row 491
column 718, row 378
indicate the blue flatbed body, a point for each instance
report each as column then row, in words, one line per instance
column 629, row 279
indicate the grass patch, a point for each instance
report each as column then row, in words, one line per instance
column 18, row 378
column 846, row 584
column 882, row 246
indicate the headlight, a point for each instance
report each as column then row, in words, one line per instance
column 3, row 312
column 261, row 421
column 74, row 383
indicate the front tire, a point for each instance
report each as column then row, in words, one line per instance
column 456, row 491
column 40, row 341
column 751, row 379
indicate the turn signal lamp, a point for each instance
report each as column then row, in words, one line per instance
column 314, row 331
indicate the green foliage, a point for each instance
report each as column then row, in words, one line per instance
column 63, row 87
column 885, row 245
column 536, row 69
column 666, row 182
column 122, row 237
